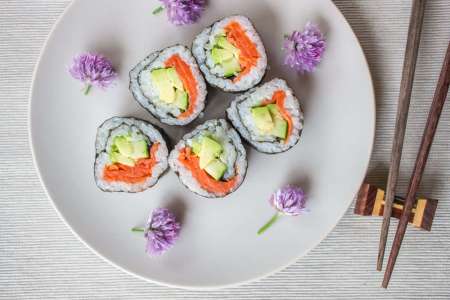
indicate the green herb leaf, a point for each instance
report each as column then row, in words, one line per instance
column 158, row 10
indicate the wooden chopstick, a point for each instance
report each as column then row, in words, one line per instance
column 409, row 67
column 421, row 160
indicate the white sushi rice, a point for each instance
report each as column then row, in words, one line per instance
column 234, row 155
column 239, row 113
column 120, row 126
column 201, row 48
column 145, row 92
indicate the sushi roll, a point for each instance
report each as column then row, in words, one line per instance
column 269, row 117
column 169, row 84
column 211, row 160
column 230, row 54
column 130, row 155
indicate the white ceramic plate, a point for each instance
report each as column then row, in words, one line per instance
column 218, row 245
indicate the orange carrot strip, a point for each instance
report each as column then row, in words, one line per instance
column 191, row 162
column 279, row 97
column 136, row 174
column 188, row 79
column 249, row 55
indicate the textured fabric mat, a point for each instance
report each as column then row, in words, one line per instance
column 41, row 259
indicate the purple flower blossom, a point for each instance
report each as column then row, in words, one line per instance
column 93, row 70
column 183, row 12
column 161, row 232
column 289, row 200
column 304, row 49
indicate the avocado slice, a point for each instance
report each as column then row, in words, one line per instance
column 222, row 42
column 113, row 156
column 158, row 75
column 172, row 75
column 280, row 124
column 280, row 128
column 140, row 149
column 117, row 157
column 181, row 100
column 209, row 151
column 273, row 109
column 125, row 151
column 216, row 169
column 123, row 145
column 226, row 55
column 219, row 55
column 231, row 67
column 262, row 118
column 164, row 85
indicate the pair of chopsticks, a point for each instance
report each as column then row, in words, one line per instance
column 421, row 160
column 406, row 85
column 440, row 96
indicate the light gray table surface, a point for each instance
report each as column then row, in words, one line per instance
column 41, row 259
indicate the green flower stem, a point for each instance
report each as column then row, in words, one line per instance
column 138, row 229
column 269, row 223
column 87, row 88
column 158, row 10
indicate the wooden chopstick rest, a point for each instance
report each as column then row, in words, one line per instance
column 371, row 201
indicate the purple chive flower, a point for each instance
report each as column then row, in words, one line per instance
column 161, row 232
column 183, row 12
column 289, row 200
column 304, row 50
column 93, row 70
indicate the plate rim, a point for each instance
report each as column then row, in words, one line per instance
column 164, row 283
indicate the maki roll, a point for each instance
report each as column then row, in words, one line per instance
column 269, row 117
column 130, row 156
column 211, row 160
column 169, row 85
column 230, row 54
